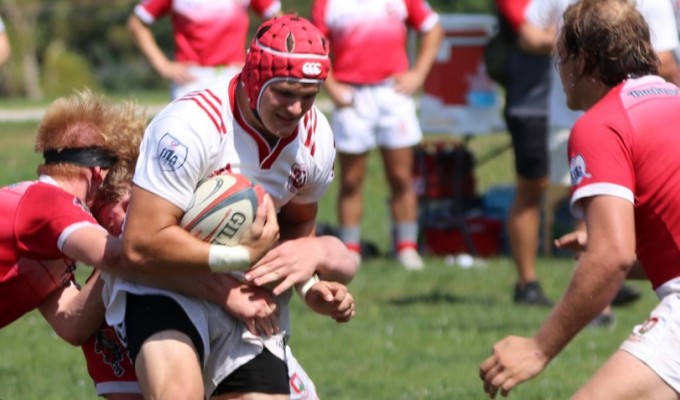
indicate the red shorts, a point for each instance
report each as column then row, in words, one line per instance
column 108, row 363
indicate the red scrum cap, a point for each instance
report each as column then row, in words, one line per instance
column 284, row 48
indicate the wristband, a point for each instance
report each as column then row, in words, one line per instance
column 303, row 287
column 228, row 258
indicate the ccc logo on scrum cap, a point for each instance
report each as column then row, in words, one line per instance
column 311, row 68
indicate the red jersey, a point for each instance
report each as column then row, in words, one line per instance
column 368, row 39
column 627, row 145
column 36, row 218
column 208, row 32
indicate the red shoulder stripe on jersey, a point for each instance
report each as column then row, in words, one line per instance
column 309, row 124
column 208, row 102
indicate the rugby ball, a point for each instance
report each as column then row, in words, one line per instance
column 223, row 209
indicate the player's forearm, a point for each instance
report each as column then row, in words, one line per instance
column 211, row 286
column 594, row 284
column 5, row 49
column 147, row 44
column 172, row 251
column 76, row 314
column 537, row 40
column 338, row 263
column 429, row 48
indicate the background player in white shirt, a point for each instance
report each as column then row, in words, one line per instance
column 210, row 38
column 624, row 157
column 261, row 124
column 371, row 87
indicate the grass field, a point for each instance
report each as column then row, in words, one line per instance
column 417, row 335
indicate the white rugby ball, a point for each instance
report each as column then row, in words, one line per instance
column 223, row 209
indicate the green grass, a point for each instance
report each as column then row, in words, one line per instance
column 417, row 335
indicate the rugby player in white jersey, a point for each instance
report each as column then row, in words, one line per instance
column 262, row 124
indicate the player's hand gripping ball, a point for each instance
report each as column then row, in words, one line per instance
column 223, row 209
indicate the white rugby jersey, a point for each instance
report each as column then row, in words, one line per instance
column 204, row 133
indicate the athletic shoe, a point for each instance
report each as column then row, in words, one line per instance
column 627, row 294
column 410, row 259
column 531, row 294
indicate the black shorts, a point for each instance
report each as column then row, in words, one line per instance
column 530, row 144
column 149, row 314
column 146, row 315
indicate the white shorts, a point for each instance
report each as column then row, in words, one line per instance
column 205, row 76
column 378, row 117
column 301, row 385
column 656, row 342
column 226, row 341
column 558, row 143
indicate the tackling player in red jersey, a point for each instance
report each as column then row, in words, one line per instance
column 46, row 228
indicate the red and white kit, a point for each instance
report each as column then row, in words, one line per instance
column 625, row 146
column 209, row 35
column 208, row 32
column 368, row 46
column 36, row 220
column 202, row 134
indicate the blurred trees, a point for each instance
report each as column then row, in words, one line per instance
column 58, row 45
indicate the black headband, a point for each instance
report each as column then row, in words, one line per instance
column 85, row 157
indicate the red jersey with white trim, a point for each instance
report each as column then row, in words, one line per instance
column 208, row 32
column 627, row 145
column 203, row 133
column 36, row 218
column 368, row 38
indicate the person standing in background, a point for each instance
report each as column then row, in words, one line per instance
column 209, row 35
column 5, row 48
column 527, row 84
column 371, row 87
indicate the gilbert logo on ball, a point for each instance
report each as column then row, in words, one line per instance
column 223, row 209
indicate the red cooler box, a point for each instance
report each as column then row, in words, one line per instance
column 459, row 97
column 485, row 234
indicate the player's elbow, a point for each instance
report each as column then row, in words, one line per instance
column 135, row 255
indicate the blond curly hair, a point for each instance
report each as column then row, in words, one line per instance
column 89, row 120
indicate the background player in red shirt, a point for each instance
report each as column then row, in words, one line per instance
column 209, row 36
column 624, row 157
column 371, row 86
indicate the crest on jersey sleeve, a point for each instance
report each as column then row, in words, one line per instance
column 577, row 168
column 171, row 153
column 297, row 178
